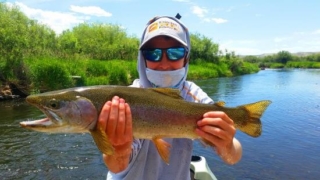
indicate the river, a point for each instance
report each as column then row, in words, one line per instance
column 289, row 147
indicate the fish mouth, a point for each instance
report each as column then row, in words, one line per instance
column 46, row 124
column 62, row 116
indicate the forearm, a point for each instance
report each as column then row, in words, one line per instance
column 232, row 155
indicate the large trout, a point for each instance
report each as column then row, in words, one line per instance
column 157, row 113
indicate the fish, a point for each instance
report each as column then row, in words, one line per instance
column 157, row 113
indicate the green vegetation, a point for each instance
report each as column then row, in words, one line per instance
column 34, row 57
column 285, row 59
column 50, row 74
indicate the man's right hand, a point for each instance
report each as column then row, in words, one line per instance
column 116, row 119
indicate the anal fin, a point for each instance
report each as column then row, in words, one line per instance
column 163, row 148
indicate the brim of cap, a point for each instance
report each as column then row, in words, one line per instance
column 162, row 34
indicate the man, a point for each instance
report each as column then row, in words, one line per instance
column 163, row 62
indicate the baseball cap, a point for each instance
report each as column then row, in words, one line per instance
column 165, row 26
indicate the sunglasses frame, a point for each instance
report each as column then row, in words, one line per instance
column 163, row 49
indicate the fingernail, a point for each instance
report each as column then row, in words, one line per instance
column 121, row 100
column 199, row 122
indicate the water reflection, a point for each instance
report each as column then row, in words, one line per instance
column 220, row 88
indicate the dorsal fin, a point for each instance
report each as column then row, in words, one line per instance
column 174, row 93
column 220, row 103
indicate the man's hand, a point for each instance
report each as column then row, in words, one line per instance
column 116, row 119
column 218, row 129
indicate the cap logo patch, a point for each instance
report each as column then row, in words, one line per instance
column 152, row 27
column 163, row 24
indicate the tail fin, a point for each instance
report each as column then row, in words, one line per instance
column 252, row 126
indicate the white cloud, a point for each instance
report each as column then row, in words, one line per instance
column 299, row 33
column 219, row 20
column 181, row 0
column 241, row 47
column 299, row 41
column 280, row 39
column 90, row 10
column 316, row 32
column 294, row 43
column 242, row 50
column 215, row 20
column 230, row 9
column 200, row 12
column 60, row 21
column 57, row 21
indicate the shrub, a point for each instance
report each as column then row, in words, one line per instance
column 50, row 76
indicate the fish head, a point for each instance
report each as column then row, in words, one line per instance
column 67, row 112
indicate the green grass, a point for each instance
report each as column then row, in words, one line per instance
column 50, row 74
column 303, row 64
column 205, row 70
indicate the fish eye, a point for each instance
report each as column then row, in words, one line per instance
column 54, row 104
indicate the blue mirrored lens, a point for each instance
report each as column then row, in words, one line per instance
column 176, row 53
column 152, row 55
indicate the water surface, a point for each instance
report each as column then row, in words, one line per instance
column 288, row 148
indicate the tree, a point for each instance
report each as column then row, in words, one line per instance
column 203, row 48
column 101, row 41
column 251, row 59
column 283, row 57
column 13, row 40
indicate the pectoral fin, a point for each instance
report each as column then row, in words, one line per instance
column 102, row 141
column 163, row 148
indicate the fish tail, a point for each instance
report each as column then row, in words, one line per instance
column 252, row 126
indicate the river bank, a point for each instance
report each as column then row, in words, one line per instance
column 6, row 93
column 47, row 74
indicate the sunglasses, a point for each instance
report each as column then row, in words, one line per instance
column 155, row 54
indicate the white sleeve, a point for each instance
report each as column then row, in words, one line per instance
column 193, row 93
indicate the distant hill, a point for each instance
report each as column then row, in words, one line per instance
column 304, row 53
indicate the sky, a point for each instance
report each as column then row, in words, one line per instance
column 247, row 27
